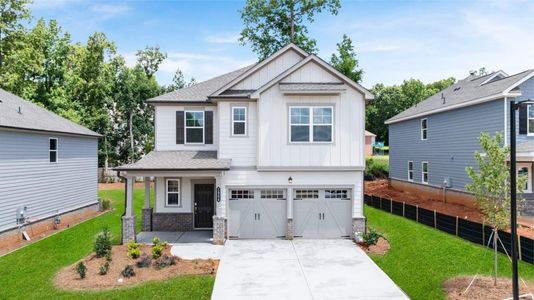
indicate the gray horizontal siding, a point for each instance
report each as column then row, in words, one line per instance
column 27, row 178
column 452, row 139
column 527, row 92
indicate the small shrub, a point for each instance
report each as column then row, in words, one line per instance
column 144, row 262
column 158, row 247
column 165, row 261
column 81, row 269
column 103, row 243
column 371, row 237
column 128, row 271
column 134, row 250
column 376, row 168
column 106, row 204
column 104, row 268
column 108, row 256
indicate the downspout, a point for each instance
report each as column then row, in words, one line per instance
column 125, row 197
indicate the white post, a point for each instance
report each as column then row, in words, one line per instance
column 129, row 196
column 290, row 203
column 147, row 192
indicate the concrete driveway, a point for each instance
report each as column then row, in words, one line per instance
column 300, row 269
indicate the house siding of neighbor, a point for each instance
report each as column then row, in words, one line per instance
column 31, row 181
column 453, row 136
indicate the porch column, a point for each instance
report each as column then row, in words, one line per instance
column 219, row 219
column 290, row 225
column 146, row 217
column 128, row 220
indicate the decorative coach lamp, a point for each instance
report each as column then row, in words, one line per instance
column 290, row 180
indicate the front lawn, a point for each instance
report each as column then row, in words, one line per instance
column 422, row 258
column 28, row 273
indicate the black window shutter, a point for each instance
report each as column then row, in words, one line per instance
column 179, row 127
column 208, row 133
column 523, row 119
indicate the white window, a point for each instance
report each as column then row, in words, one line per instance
column 173, row 192
column 424, row 129
column 241, row 194
column 424, row 172
column 239, row 121
column 530, row 120
column 272, row 194
column 306, row 194
column 194, row 127
column 525, row 170
column 52, row 149
column 337, row 194
column 410, row 170
column 312, row 124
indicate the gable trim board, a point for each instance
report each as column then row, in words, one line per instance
column 498, row 73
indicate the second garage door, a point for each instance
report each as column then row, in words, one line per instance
column 322, row 213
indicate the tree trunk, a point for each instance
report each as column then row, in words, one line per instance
column 131, row 139
column 495, row 257
column 292, row 20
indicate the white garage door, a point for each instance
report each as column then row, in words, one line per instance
column 322, row 213
column 259, row 213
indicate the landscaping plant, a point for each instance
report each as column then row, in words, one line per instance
column 103, row 243
column 104, row 268
column 158, row 247
column 134, row 249
column 371, row 237
column 144, row 262
column 106, row 204
column 165, row 261
column 491, row 186
column 81, row 269
column 128, row 271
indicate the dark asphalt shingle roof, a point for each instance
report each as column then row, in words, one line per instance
column 33, row 117
column 468, row 89
column 178, row 160
column 527, row 146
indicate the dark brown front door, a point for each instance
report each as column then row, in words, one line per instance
column 204, row 206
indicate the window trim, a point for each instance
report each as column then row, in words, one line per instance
column 56, row 151
column 239, row 121
column 203, row 127
column 410, row 170
column 311, row 125
column 529, row 175
column 528, row 121
column 423, row 172
column 179, row 192
column 424, row 129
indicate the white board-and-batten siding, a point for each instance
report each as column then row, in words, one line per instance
column 28, row 178
column 241, row 149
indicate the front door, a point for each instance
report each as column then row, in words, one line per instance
column 204, row 205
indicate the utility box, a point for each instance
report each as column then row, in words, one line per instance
column 447, row 182
column 21, row 215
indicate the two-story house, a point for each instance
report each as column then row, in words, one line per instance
column 433, row 142
column 271, row 150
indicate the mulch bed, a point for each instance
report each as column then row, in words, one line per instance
column 68, row 279
column 483, row 288
column 380, row 248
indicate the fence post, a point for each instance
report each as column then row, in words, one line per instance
column 403, row 208
column 519, row 246
column 391, row 205
column 417, row 213
column 380, row 202
column 483, row 233
column 435, row 221
column 456, row 225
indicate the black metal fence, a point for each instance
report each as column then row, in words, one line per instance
column 468, row 230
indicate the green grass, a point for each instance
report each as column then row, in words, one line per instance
column 421, row 258
column 28, row 272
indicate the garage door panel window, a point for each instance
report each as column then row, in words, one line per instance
column 241, row 194
column 306, row 194
column 173, row 192
column 337, row 194
column 278, row 194
column 311, row 124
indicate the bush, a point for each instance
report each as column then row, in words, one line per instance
column 376, row 168
column 106, row 204
column 144, row 262
column 81, row 269
column 134, row 250
column 158, row 248
column 103, row 243
column 128, row 271
column 104, row 268
column 371, row 237
column 108, row 257
column 165, row 261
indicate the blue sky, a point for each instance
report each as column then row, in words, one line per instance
column 395, row 40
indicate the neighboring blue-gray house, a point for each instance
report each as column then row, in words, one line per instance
column 48, row 168
column 432, row 142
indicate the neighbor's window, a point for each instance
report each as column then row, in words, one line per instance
column 306, row 194
column 524, row 170
column 239, row 120
column 424, row 129
column 530, row 122
column 53, row 150
column 337, row 194
column 410, row 170
column 311, row 124
column 194, row 127
column 173, row 192
column 424, row 172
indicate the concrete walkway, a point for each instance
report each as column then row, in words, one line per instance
column 186, row 245
column 300, row 269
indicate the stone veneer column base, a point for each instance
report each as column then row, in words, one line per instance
column 146, row 219
column 358, row 225
column 290, row 229
column 128, row 229
column 219, row 230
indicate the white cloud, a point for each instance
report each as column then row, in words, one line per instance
column 108, row 11
column 223, row 38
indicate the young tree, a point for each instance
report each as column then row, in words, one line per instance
column 346, row 62
column 491, row 186
column 272, row 24
column 12, row 12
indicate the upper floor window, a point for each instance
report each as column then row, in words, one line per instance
column 410, row 170
column 311, row 124
column 524, row 170
column 173, row 192
column 530, row 120
column 424, row 172
column 424, row 129
column 239, row 120
column 194, row 127
column 52, row 149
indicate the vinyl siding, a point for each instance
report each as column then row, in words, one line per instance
column 452, row 140
column 527, row 92
column 241, row 149
column 27, row 178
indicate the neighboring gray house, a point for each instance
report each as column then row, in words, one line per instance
column 48, row 167
column 432, row 142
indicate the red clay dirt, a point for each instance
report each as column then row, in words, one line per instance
column 483, row 288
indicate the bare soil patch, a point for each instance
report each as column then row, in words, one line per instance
column 483, row 288
column 68, row 279
column 380, row 248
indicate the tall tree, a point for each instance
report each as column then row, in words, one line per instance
column 345, row 61
column 271, row 24
column 12, row 13
column 149, row 59
column 178, row 82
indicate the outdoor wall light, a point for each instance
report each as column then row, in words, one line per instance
column 290, row 180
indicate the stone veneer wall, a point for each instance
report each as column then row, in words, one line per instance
column 358, row 225
column 172, row 221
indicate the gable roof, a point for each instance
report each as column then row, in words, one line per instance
column 18, row 113
column 469, row 91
